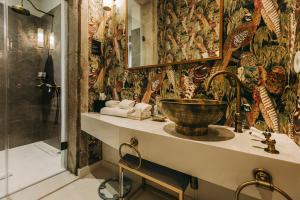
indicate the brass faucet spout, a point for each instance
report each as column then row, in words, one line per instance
column 230, row 76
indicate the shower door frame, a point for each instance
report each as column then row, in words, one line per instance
column 6, row 86
column 64, row 79
column 64, row 92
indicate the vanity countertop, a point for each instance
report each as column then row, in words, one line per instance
column 242, row 142
column 227, row 163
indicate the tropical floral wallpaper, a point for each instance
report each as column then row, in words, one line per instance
column 188, row 30
column 260, row 41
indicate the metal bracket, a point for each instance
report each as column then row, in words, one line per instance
column 263, row 176
column 64, row 146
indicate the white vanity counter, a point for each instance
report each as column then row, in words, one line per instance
column 226, row 163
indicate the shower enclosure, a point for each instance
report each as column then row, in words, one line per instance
column 32, row 92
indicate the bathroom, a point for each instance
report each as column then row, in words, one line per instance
column 150, row 99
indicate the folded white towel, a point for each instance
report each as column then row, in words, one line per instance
column 143, row 107
column 112, row 103
column 126, row 104
column 116, row 112
column 137, row 115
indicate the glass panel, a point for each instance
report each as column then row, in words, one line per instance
column 34, row 67
column 3, row 158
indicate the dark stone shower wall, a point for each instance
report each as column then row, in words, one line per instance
column 51, row 131
column 56, row 53
column 25, row 60
column 2, row 80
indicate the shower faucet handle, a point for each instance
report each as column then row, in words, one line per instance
column 268, row 136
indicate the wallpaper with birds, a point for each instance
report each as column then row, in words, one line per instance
column 260, row 41
column 188, row 30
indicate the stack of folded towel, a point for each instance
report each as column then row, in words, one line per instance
column 112, row 104
column 117, row 108
column 141, row 111
column 127, row 109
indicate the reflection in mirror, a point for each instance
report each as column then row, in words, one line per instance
column 142, row 26
column 164, row 32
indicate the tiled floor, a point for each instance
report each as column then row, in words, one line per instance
column 29, row 164
column 40, row 190
column 86, row 188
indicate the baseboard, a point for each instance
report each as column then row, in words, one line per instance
column 88, row 169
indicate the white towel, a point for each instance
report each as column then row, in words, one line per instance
column 116, row 112
column 137, row 115
column 143, row 107
column 112, row 103
column 126, row 104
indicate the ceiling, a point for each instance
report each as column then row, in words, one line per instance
column 142, row 2
column 45, row 5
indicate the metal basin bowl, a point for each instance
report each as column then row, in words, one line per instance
column 192, row 117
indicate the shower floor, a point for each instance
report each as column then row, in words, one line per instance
column 29, row 164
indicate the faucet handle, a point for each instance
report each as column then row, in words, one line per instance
column 268, row 136
column 271, row 147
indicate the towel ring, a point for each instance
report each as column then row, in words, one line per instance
column 262, row 179
column 132, row 144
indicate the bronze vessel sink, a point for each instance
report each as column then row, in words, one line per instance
column 192, row 117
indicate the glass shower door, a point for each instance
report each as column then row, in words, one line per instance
column 3, row 84
column 35, row 92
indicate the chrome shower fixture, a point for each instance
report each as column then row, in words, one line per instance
column 20, row 9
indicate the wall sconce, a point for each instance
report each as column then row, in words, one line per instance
column 107, row 5
column 52, row 41
column 40, row 37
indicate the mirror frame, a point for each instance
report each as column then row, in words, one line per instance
column 174, row 63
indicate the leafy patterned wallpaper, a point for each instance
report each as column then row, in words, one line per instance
column 260, row 37
column 188, row 31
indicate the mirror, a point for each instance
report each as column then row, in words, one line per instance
column 166, row 32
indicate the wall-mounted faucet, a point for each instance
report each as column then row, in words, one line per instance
column 238, row 116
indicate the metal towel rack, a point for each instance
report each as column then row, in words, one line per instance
column 132, row 144
column 263, row 179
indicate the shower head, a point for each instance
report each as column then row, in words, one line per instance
column 23, row 11
column 20, row 10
